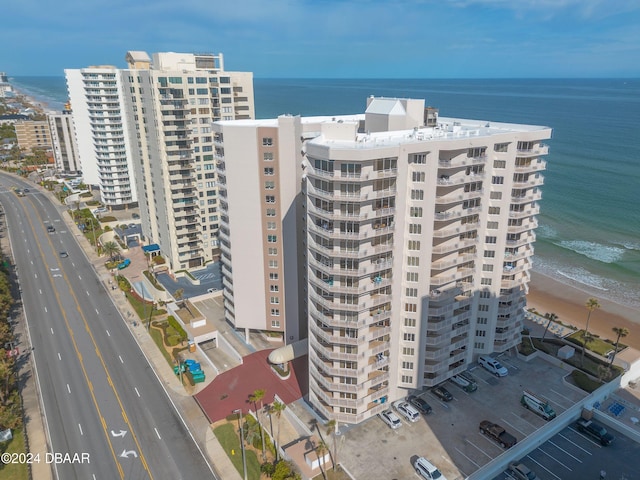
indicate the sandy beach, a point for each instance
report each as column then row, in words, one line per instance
column 549, row 295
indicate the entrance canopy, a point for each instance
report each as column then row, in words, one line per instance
column 154, row 247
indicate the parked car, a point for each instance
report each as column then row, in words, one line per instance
column 26, row 190
column 125, row 263
column 442, row 393
column 135, row 216
column 212, row 290
column 419, row 403
column 595, row 430
column 100, row 210
column 390, row 419
column 464, row 384
column 407, row 411
column 492, row 365
column 50, row 228
column 521, row 471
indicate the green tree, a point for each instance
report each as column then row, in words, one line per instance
column 331, row 431
column 253, row 432
column 111, row 248
column 321, row 449
column 255, row 397
column 277, row 408
column 551, row 317
column 621, row 332
column 591, row 305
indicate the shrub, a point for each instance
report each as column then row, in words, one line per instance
column 159, row 260
column 123, row 283
column 107, row 219
column 176, row 325
column 583, row 381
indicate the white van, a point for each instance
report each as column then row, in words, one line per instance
column 492, row 365
column 425, row 469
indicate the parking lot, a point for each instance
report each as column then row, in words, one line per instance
column 449, row 437
column 570, row 455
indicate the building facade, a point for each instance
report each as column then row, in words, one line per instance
column 172, row 101
column 33, row 134
column 63, row 139
column 104, row 149
column 417, row 243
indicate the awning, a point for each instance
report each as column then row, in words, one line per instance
column 154, row 247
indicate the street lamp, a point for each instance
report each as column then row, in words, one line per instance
column 244, row 458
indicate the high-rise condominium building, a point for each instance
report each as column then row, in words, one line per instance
column 65, row 148
column 415, row 234
column 104, row 150
column 172, row 101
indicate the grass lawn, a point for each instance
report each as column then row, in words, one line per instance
column 143, row 309
column 227, row 435
column 14, row 471
column 157, row 338
column 596, row 345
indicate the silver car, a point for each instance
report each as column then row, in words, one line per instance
column 521, row 471
column 390, row 419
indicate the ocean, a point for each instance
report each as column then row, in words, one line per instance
column 589, row 233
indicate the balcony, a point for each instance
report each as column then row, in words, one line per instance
column 522, row 241
column 455, row 229
column 540, row 149
column 533, row 166
column 391, row 172
column 531, row 224
column 533, row 181
column 329, row 337
column 527, row 212
column 530, row 196
column 328, row 352
column 454, row 213
column 461, row 161
column 330, row 385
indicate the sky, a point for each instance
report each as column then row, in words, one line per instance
column 333, row 38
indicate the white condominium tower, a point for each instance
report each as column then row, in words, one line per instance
column 172, row 101
column 104, row 150
column 417, row 242
column 65, row 148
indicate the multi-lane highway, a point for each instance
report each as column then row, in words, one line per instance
column 103, row 404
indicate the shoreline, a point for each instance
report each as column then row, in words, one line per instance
column 549, row 295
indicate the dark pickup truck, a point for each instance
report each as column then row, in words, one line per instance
column 595, row 430
column 498, row 434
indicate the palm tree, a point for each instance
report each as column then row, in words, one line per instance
column 551, row 317
column 591, row 305
column 278, row 408
column 321, row 449
column 252, row 432
column 331, row 430
column 111, row 248
column 255, row 397
column 587, row 338
column 621, row 332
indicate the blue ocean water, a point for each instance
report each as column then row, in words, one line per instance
column 589, row 232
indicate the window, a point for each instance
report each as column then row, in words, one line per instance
column 480, row 333
column 500, row 147
column 497, row 180
column 482, row 320
column 267, row 142
column 267, row 156
column 273, row 276
column 413, row 244
column 487, row 268
column 489, row 254
column 492, row 225
column 408, row 351
column 494, row 210
column 269, row 171
column 409, row 322
column 274, row 288
column 270, row 199
column 407, row 379
column 274, row 300
column 413, row 261
column 415, row 228
column 485, row 294
column 483, row 307
column 409, row 337
column 273, row 264
column 272, row 238
column 499, row 164
column 418, row 158
column 417, row 194
column 485, row 281
column 271, row 225
column 275, row 312
column 476, row 152
column 495, row 195
column 271, row 212
column 411, row 292
column 418, row 176
column 410, row 307
column 415, row 212
column 479, row 345
column 273, row 251
column 489, row 239
column 269, row 185
column 412, row 277
column 407, row 365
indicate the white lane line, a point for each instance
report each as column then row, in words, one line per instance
column 31, row 262
column 87, row 292
column 467, row 457
column 80, row 427
column 52, row 331
column 562, row 396
column 529, row 423
column 35, row 275
column 68, row 388
column 136, row 391
column 575, row 444
column 121, row 361
column 538, row 463
column 464, row 475
column 108, row 332
column 515, row 428
column 79, row 277
column 564, row 451
column 59, row 356
column 554, row 458
column 40, row 291
column 478, row 448
column 73, row 265
column 45, row 310
column 159, row 437
column 97, row 312
column 94, row 476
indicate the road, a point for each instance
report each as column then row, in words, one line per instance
column 103, row 403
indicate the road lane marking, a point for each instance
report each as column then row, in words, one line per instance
column 121, row 433
column 52, row 331
column 40, row 290
column 478, row 448
column 529, row 423
column 554, row 458
column 121, row 361
column 45, row 310
column 108, row 333
column 80, row 277
column 87, row 292
column 97, row 312
column 159, row 437
column 575, row 444
column 35, row 275
column 68, row 388
column 136, row 391
column 515, row 428
column 467, row 457
column 31, row 262
column 80, row 427
column 564, row 451
column 59, row 356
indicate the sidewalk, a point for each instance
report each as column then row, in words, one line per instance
column 185, row 404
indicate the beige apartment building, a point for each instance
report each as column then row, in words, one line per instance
column 33, row 134
column 171, row 101
column 416, row 246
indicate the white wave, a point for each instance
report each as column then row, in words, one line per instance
column 584, row 277
column 546, row 231
column 629, row 245
column 593, row 250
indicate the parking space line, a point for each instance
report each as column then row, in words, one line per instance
column 514, row 427
column 528, row 423
column 477, row 447
column 464, row 475
column 574, row 443
column 571, row 402
column 540, row 465
column 586, row 438
column 564, row 451
column 467, row 457
column 554, row 458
